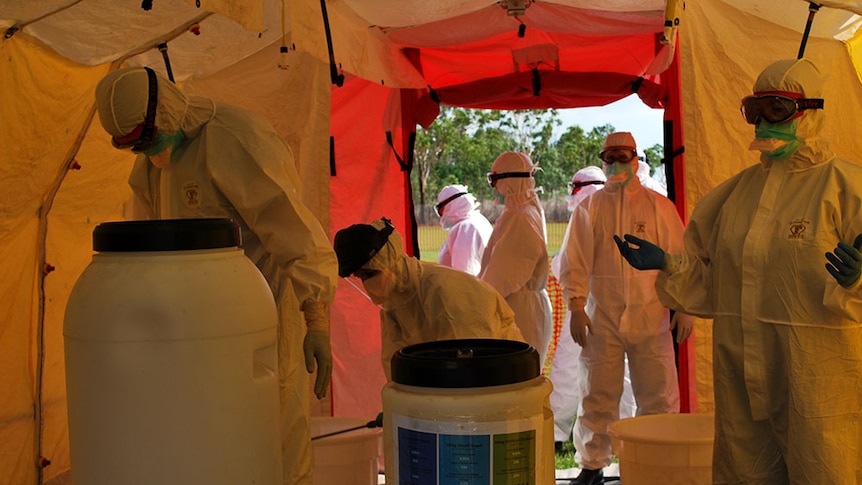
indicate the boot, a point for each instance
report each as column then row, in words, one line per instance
column 589, row 477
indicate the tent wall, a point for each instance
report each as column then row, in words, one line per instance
column 722, row 51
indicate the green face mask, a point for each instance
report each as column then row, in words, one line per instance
column 620, row 173
column 781, row 131
column 162, row 142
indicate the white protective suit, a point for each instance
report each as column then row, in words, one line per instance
column 515, row 262
column 232, row 164
column 787, row 338
column 627, row 318
column 565, row 398
column 426, row 302
column 645, row 176
column 469, row 231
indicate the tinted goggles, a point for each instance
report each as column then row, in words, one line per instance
column 618, row 156
column 440, row 205
column 576, row 186
column 776, row 107
column 143, row 137
column 493, row 177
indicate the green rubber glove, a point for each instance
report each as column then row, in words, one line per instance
column 645, row 255
column 845, row 262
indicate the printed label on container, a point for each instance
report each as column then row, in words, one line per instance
column 459, row 453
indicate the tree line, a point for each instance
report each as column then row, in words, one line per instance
column 461, row 144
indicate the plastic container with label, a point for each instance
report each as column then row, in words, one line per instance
column 471, row 411
column 171, row 365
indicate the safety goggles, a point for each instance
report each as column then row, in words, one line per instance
column 776, row 107
column 143, row 137
column 493, row 177
column 440, row 205
column 574, row 187
column 611, row 157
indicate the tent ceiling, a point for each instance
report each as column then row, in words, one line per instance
column 92, row 32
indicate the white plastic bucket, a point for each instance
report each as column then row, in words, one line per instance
column 469, row 411
column 350, row 457
column 671, row 449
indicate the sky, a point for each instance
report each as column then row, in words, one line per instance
column 628, row 114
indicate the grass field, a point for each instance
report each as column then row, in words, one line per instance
column 432, row 237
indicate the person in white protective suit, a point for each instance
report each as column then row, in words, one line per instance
column 772, row 255
column 419, row 301
column 565, row 398
column 515, row 261
column 644, row 173
column 469, row 230
column 615, row 311
column 198, row 158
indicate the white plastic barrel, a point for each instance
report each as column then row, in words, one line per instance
column 671, row 449
column 171, row 365
column 470, row 411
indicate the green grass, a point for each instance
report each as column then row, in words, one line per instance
column 431, row 239
column 565, row 459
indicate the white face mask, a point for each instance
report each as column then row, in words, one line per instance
column 380, row 285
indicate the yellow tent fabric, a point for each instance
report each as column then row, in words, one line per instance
column 59, row 177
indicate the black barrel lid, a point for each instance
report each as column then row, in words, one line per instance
column 465, row 363
column 166, row 235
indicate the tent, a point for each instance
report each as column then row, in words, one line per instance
column 346, row 87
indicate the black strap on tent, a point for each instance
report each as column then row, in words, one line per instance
column 812, row 10
column 332, row 171
column 411, row 142
column 147, row 5
column 636, row 85
column 537, row 82
column 336, row 77
column 433, row 94
column 163, row 48
column 407, row 168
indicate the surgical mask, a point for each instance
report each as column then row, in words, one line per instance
column 163, row 147
column 620, row 174
column 356, row 283
column 379, row 286
column 777, row 141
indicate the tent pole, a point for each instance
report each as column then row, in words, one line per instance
column 812, row 10
column 69, row 163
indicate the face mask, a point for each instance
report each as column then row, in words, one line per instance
column 777, row 141
column 619, row 174
column 160, row 153
column 379, row 286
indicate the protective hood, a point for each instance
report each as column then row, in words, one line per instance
column 799, row 76
column 121, row 100
column 621, row 140
column 515, row 189
column 586, row 174
column 457, row 209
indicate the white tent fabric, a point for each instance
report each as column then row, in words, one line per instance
column 59, row 176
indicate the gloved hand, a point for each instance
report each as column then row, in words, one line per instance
column 646, row 256
column 846, row 262
column 579, row 323
column 316, row 346
column 683, row 324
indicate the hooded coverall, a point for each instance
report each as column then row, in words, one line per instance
column 787, row 338
column 234, row 165
column 425, row 302
column 469, row 232
column 515, row 262
column 627, row 318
